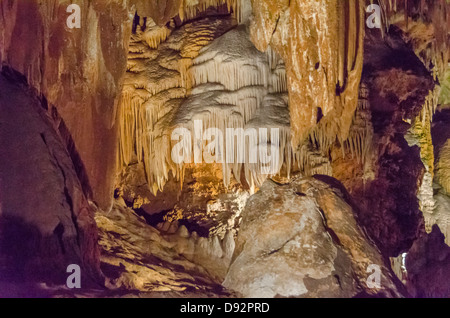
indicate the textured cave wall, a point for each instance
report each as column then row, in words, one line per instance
column 161, row 11
column 79, row 71
column 155, row 99
column 404, row 67
column 441, row 141
column 428, row 264
column 374, row 137
column 377, row 162
column 46, row 222
column 425, row 28
column 392, row 173
column 139, row 257
column 326, row 74
column 425, row 25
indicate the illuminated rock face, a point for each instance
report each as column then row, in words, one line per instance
column 347, row 101
column 322, row 45
column 302, row 240
column 202, row 73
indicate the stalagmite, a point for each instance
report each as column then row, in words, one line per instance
column 441, row 215
column 426, row 26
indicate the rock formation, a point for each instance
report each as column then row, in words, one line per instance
column 302, row 239
column 46, row 223
column 80, row 71
column 222, row 148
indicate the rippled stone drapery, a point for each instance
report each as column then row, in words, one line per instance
column 322, row 45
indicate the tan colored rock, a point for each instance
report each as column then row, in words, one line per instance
column 166, row 226
column 443, row 167
column 228, row 245
column 135, row 256
column 183, row 232
column 173, row 228
column 302, row 240
column 321, row 43
column 161, row 11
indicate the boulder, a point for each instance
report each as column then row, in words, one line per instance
column 302, row 240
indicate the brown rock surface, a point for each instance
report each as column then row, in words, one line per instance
column 110, row 93
column 46, row 223
column 386, row 185
column 137, row 256
column 77, row 70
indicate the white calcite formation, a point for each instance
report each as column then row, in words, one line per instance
column 238, row 87
column 420, row 135
column 205, row 72
column 223, row 82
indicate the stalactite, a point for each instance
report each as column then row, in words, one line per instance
column 230, row 86
column 223, row 84
column 359, row 141
column 432, row 49
column 311, row 161
column 435, row 54
column 155, row 36
column 191, row 9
